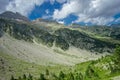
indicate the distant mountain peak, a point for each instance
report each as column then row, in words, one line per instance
column 15, row 16
column 45, row 20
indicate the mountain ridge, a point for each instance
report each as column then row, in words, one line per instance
column 15, row 16
column 63, row 37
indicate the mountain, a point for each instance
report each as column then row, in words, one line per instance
column 41, row 44
column 44, row 20
column 14, row 16
column 63, row 38
column 48, row 25
column 104, row 31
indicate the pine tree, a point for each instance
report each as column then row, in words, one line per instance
column 91, row 73
column 61, row 75
column 78, row 76
column 47, row 72
column 19, row 78
column 70, row 76
column 12, row 78
column 30, row 77
column 54, row 77
column 117, row 58
column 42, row 77
column 117, row 55
column 24, row 77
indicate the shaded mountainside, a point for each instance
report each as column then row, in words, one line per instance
column 84, row 41
column 63, row 38
column 15, row 16
column 105, row 31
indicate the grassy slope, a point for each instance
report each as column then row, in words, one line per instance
column 101, row 66
column 10, row 65
column 16, row 59
column 16, row 67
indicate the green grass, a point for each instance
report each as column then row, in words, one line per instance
column 16, row 67
column 9, row 65
column 82, row 66
column 98, row 67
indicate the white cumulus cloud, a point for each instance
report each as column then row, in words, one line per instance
column 94, row 11
column 23, row 6
column 61, row 22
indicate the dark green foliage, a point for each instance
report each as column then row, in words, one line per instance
column 42, row 77
column 78, row 76
column 61, row 75
column 47, row 72
column 111, row 68
column 30, row 77
column 70, row 76
column 12, row 78
column 91, row 73
column 54, row 76
column 19, row 78
column 24, row 77
column 116, row 59
column 117, row 53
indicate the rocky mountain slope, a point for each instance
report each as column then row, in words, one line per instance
column 15, row 16
column 105, row 31
column 62, row 38
column 16, row 36
column 49, row 43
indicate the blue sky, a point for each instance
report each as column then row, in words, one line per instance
column 84, row 12
column 44, row 10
